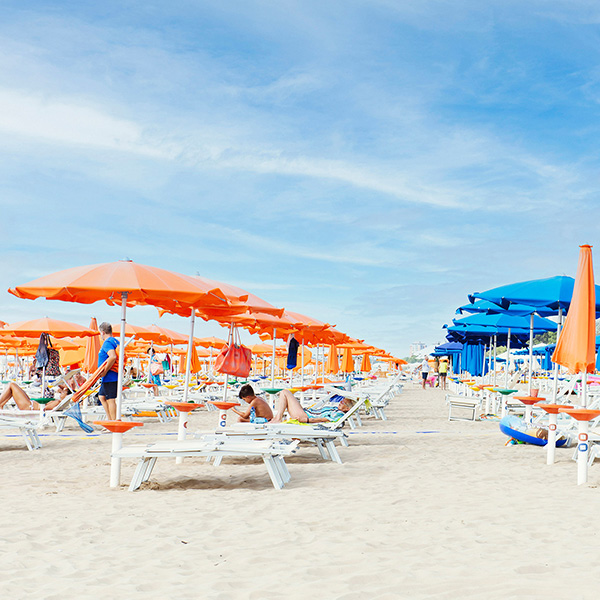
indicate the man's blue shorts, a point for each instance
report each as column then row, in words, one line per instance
column 108, row 389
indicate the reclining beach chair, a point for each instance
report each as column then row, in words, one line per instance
column 469, row 407
column 213, row 448
column 322, row 437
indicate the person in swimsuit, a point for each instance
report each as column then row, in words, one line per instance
column 22, row 400
column 287, row 401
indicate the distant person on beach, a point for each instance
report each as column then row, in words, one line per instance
column 110, row 375
column 443, row 372
column 425, row 368
column 287, row 401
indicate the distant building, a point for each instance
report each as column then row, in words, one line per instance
column 416, row 347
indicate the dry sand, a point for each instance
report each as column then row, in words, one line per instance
column 421, row 508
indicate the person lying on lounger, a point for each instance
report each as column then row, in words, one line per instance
column 287, row 401
column 22, row 400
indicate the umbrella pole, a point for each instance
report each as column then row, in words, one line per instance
column 273, row 358
column 507, row 358
column 495, row 364
column 117, row 438
column 555, row 384
column 183, row 415
column 302, row 367
column 530, row 354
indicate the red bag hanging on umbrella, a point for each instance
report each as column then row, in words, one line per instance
column 234, row 358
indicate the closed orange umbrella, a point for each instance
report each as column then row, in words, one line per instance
column 332, row 360
column 576, row 347
column 92, row 349
column 347, row 361
column 195, row 365
column 365, row 365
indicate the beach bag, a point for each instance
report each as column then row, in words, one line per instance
column 47, row 356
column 156, row 368
column 53, row 366
column 234, row 358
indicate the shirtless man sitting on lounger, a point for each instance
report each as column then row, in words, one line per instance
column 287, row 401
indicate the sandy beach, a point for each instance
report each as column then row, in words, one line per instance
column 421, row 508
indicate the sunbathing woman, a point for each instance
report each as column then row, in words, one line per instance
column 287, row 401
column 22, row 400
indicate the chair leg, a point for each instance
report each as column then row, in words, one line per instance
column 333, row 453
column 273, row 473
column 25, row 436
column 322, row 451
column 283, row 469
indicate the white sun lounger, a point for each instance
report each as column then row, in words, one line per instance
column 272, row 452
column 26, row 427
column 322, row 437
column 469, row 407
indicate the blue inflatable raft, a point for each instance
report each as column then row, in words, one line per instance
column 515, row 428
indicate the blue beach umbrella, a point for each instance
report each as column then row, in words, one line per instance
column 505, row 320
column 553, row 293
column 488, row 307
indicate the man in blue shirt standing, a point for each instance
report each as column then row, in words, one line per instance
column 110, row 375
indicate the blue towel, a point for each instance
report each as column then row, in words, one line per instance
column 75, row 413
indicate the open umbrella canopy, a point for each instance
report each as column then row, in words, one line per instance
column 487, row 307
column 54, row 327
column 552, row 292
column 210, row 342
column 173, row 337
column 143, row 285
column 242, row 298
column 504, row 321
column 141, row 333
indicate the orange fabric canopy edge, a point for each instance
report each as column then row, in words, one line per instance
column 576, row 345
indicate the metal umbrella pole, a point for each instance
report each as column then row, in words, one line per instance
column 183, row 415
column 273, row 358
column 507, row 358
column 530, row 354
column 555, row 383
column 495, row 363
column 117, row 437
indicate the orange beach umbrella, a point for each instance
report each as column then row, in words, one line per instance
column 332, row 360
column 365, row 365
column 576, row 348
column 54, row 327
column 347, row 361
column 92, row 349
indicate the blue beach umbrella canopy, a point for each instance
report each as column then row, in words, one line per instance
column 487, row 307
column 504, row 321
column 552, row 293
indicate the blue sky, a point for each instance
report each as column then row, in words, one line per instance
column 368, row 163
